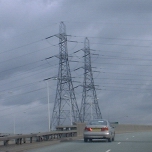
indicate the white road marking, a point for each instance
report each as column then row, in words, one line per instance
column 108, row 150
column 126, row 138
column 119, row 143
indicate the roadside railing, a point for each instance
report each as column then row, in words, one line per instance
column 61, row 132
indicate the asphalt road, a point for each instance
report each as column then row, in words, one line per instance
column 128, row 142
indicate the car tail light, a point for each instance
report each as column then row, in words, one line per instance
column 88, row 129
column 104, row 129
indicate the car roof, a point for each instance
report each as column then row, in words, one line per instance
column 99, row 120
column 95, row 120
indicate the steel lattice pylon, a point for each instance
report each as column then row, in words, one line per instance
column 65, row 109
column 89, row 105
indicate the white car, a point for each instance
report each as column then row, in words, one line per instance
column 99, row 129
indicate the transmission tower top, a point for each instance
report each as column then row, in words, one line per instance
column 86, row 43
column 62, row 28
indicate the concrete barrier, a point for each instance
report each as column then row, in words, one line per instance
column 125, row 128
column 80, row 129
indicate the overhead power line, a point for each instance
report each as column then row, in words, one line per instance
column 112, row 38
column 126, row 45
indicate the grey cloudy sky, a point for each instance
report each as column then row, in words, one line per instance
column 119, row 31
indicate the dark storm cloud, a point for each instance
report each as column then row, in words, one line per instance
column 119, row 30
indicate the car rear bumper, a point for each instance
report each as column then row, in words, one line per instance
column 94, row 135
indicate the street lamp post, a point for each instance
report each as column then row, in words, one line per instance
column 70, row 112
column 48, row 105
column 49, row 119
column 14, row 124
column 91, row 110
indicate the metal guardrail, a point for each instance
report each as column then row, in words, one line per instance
column 61, row 132
column 63, row 128
column 44, row 136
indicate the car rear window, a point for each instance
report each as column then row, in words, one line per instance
column 97, row 122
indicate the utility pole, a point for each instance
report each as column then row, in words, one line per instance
column 48, row 94
column 89, row 105
column 14, row 123
column 65, row 101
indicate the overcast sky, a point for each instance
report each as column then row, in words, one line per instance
column 120, row 33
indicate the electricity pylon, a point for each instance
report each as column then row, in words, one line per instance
column 65, row 109
column 89, row 106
